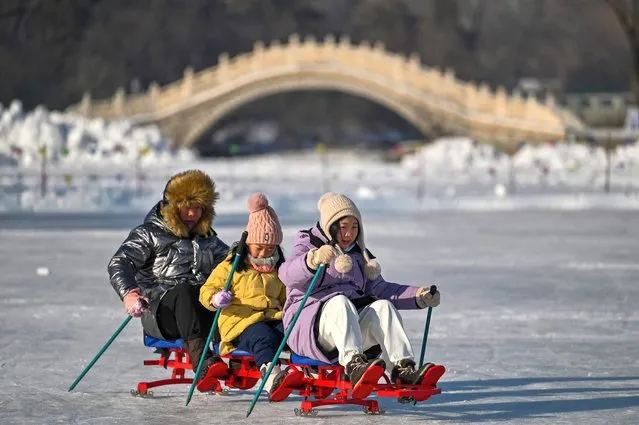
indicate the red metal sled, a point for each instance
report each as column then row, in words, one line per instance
column 327, row 385
column 323, row 385
column 172, row 356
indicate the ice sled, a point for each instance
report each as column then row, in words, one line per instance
column 318, row 383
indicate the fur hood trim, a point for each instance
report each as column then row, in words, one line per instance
column 189, row 188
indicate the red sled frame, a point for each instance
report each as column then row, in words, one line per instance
column 323, row 385
column 327, row 381
column 172, row 356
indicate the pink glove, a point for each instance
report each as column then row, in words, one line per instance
column 135, row 304
column 222, row 299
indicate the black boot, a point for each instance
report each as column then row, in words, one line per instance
column 195, row 349
column 406, row 372
column 358, row 364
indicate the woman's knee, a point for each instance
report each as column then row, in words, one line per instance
column 341, row 302
column 384, row 306
column 338, row 311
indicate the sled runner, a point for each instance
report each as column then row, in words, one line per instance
column 320, row 384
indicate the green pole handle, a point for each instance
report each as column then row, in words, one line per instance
column 433, row 290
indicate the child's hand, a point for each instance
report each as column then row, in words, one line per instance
column 222, row 299
column 321, row 255
column 424, row 298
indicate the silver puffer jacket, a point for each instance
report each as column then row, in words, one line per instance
column 154, row 259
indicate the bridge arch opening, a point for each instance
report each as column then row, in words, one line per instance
column 302, row 119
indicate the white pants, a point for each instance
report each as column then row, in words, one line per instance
column 342, row 327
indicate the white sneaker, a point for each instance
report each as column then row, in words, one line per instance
column 269, row 379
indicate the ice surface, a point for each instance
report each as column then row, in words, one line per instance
column 538, row 322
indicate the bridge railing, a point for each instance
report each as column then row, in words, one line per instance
column 477, row 103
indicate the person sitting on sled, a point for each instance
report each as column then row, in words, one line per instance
column 159, row 268
column 351, row 308
column 251, row 319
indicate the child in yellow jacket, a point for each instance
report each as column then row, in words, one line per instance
column 251, row 319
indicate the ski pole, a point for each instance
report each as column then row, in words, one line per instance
column 236, row 260
column 102, row 350
column 318, row 273
column 433, row 290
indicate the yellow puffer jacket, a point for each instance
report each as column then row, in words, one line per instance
column 257, row 297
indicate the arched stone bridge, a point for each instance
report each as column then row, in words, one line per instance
column 426, row 97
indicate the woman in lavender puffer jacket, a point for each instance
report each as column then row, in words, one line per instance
column 352, row 308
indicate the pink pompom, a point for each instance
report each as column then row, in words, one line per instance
column 257, row 202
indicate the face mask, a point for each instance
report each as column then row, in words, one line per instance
column 264, row 265
column 351, row 246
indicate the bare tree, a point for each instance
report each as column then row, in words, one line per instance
column 627, row 13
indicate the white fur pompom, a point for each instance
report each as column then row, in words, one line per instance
column 372, row 270
column 343, row 263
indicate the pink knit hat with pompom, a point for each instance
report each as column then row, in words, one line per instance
column 263, row 226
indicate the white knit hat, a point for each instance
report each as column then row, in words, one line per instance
column 333, row 207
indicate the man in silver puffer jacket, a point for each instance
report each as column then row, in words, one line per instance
column 159, row 268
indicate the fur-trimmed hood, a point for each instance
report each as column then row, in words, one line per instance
column 189, row 188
